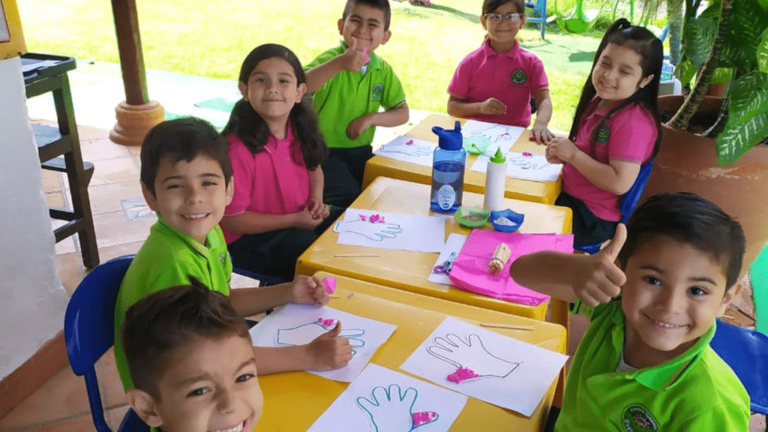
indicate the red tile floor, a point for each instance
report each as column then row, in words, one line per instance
column 122, row 222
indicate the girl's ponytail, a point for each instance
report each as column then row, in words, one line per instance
column 307, row 131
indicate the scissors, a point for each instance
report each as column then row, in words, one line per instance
column 446, row 266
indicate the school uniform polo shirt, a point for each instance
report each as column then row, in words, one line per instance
column 510, row 77
column 274, row 181
column 628, row 136
column 350, row 95
column 167, row 259
column 694, row 392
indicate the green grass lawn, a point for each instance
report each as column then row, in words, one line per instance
column 211, row 38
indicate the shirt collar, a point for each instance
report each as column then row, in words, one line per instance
column 667, row 374
column 489, row 52
column 373, row 63
column 211, row 240
column 274, row 141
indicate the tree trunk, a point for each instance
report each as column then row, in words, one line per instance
column 683, row 116
column 675, row 29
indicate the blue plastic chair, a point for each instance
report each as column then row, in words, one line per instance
column 746, row 352
column 539, row 14
column 89, row 333
column 627, row 204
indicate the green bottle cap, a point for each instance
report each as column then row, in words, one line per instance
column 498, row 157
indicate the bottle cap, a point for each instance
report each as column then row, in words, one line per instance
column 449, row 139
column 498, row 157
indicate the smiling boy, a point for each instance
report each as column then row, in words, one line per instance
column 186, row 177
column 348, row 84
column 645, row 363
column 174, row 340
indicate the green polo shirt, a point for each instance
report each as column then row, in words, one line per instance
column 350, row 95
column 167, row 259
column 695, row 391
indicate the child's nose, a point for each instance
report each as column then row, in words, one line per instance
column 225, row 401
column 194, row 194
column 669, row 301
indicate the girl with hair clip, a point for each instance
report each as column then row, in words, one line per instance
column 615, row 130
column 276, row 149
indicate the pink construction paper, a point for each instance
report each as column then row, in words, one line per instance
column 470, row 270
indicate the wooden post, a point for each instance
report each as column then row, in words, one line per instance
column 137, row 114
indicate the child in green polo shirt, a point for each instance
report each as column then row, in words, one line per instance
column 186, row 177
column 174, row 340
column 349, row 84
column 645, row 363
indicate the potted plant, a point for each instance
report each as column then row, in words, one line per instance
column 712, row 146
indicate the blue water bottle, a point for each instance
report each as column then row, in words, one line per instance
column 448, row 170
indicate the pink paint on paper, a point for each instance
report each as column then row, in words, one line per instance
column 363, row 217
column 327, row 322
column 423, row 417
column 462, row 374
column 409, row 142
column 330, row 284
column 527, row 154
column 376, row 219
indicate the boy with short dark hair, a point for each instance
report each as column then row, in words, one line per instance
column 186, row 178
column 174, row 340
column 348, row 85
column 645, row 363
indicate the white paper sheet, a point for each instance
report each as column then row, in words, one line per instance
column 383, row 400
column 295, row 324
column 499, row 136
column 527, row 167
column 408, row 150
column 449, row 253
column 391, row 230
column 509, row 373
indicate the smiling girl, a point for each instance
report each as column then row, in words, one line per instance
column 615, row 130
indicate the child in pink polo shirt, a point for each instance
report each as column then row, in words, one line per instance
column 276, row 149
column 496, row 82
column 615, row 130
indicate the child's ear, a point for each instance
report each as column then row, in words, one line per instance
column 243, row 90
column 728, row 297
column 149, row 197
column 341, row 26
column 482, row 21
column 302, row 90
column 387, row 35
column 644, row 82
column 144, row 406
column 230, row 192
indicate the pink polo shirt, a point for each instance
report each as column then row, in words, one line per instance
column 274, row 181
column 629, row 136
column 510, row 77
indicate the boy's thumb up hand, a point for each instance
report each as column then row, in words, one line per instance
column 612, row 247
column 354, row 59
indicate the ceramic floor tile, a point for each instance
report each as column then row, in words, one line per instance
column 118, row 170
column 71, row 270
column 62, row 397
column 102, row 149
column 66, row 245
column 111, row 388
column 108, row 197
column 82, row 423
column 90, row 133
column 115, row 228
column 56, row 199
column 51, row 181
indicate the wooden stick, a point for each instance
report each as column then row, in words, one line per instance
column 507, row 326
column 343, row 255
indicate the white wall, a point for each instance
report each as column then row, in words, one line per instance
column 32, row 300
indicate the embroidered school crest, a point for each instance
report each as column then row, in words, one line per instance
column 378, row 89
column 636, row 418
column 518, row 76
column 603, row 134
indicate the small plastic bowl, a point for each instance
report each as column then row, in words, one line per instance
column 513, row 220
column 472, row 217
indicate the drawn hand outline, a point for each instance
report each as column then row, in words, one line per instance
column 306, row 333
column 371, row 231
column 525, row 162
column 470, row 354
column 392, row 409
column 406, row 149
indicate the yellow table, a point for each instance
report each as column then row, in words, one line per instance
column 474, row 181
column 409, row 271
column 293, row 401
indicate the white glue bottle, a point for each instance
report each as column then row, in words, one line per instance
column 495, row 182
